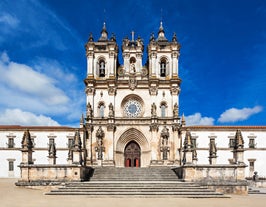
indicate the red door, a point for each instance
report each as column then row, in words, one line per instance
column 132, row 154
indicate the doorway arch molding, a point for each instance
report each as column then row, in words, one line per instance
column 132, row 134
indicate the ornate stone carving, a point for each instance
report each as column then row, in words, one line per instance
column 153, row 90
column 165, row 150
column 132, row 82
column 212, row 148
column 175, row 127
column 175, row 90
column 154, row 127
column 90, row 90
column 77, row 141
column 144, row 72
column 239, row 141
column 111, row 127
column 27, row 141
column 188, row 141
column 100, row 148
column 111, row 90
column 51, row 149
column 164, row 145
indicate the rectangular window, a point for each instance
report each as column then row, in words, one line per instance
column 231, row 143
column 10, row 165
column 70, row 143
column 10, row 143
column 251, row 164
column 251, row 143
column 163, row 111
column 194, row 143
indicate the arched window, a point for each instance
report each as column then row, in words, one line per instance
column 163, row 110
column 163, row 68
column 101, row 109
column 163, row 107
column 102, row 68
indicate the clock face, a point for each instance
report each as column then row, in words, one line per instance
column 132, row 108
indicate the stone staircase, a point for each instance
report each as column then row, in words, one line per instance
column 136, row 182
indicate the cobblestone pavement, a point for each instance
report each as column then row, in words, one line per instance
column 12, row 196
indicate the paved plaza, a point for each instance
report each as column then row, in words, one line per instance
column 13, row 196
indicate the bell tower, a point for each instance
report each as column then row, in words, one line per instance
column 102, row 56
column 132, row 54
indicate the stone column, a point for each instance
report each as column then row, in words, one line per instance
column 27, row 147
column 109, row 141
column 176, row 143
column 100, row 149
column 76, row 149
column 154, row 141
column 188, row 150
column 165, row 149
column 238, row 151
column 52, row 152
column 212, row 151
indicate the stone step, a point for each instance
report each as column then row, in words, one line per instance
column 125, row 189
column 142, row 194
column 135, row 182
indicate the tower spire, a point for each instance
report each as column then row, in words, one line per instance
column 161, row 36
column 104, row 33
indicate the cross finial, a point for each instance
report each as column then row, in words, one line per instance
column 132, row 35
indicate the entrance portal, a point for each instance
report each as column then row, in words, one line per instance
column 132, row 154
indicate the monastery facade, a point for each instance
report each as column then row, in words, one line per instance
column 132, row 118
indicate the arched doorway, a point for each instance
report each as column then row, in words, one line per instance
column 132, row 154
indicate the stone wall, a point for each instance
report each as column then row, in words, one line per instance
column 44, row 174
column 223, row 178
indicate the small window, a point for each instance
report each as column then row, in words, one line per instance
column 10, row 165
column 163, row 107
column 11, row 143
column 232, row 143
column 251, row 143
column 163, row 68
column 194, row 143
column 251, row 164
column 70, row 143
column 102, row 68
column 163, row 110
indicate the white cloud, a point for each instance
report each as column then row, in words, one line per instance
column 29, row 82
column 234, row 114
column 19, row 117
column 197, row 119
column 9, row 20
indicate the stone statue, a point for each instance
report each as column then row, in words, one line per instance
column 153, row 110
column 89, row 111
column 165, row 136
column 111, row 110
column 100, row 148
column 175, row 110
column 132, row 68
column 100, row 133
column 255, row 177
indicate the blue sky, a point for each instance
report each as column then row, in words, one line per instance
column 222, row 62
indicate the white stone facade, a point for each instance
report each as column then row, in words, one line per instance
column 132, row 117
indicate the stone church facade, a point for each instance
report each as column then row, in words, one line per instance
column 134, row 105
column 132, row 120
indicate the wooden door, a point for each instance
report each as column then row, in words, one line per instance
column 132, row 155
